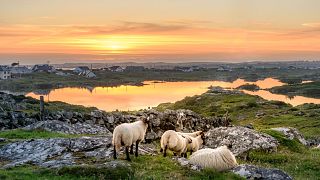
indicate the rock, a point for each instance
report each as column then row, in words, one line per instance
column 260, row 114
column 64, row 127
column 65, row 160
column 249, row 126
column 49, row 152
column 240, row 139
column 183, row 161
column 254, row 172
column 3, row 140
column 291, row 133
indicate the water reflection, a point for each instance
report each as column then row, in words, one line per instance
column 295, row 100
column 152, row 94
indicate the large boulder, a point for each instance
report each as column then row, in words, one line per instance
column 64, row 127
column 254, row 172
column 50, row 152
column 291, row 133
column 240, row 139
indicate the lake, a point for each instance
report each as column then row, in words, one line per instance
column 153, row 93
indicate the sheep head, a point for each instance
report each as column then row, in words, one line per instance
column 203, row 137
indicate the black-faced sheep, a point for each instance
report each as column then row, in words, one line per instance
column 220, row 158
column 194, row 134
column 127, row 134
column 173, row 141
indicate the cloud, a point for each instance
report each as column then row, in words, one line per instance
column 312, row 25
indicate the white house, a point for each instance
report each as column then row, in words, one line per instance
column 80, row 69
column 43, row 68
column 20, row 70
column 5, row 72
column 88, row 74
column 116, row 69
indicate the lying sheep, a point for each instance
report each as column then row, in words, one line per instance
column 127, row 134
column 220, row 158
column 173, row 141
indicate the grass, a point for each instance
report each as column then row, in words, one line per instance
column 311, row 89
column 291, row 157
column 65, row 173
column 143, row 167
column 243, row 109
column 24, row 134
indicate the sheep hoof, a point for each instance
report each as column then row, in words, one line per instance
column 136, row 154
column 161, row 150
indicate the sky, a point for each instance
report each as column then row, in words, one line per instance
column 58, row 31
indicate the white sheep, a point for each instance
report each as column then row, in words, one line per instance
column 220, row 158
column 127, row 134
column 194, row 134
column 173, row 141
column 195, row 144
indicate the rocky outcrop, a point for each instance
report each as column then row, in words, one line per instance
column 13, row 108
column 291, row 133
column 63, row 127
column 58, row 152
column 254, row 172
column 240, row 139
column 50, row 152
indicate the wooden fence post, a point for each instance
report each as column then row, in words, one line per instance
column 42, row 108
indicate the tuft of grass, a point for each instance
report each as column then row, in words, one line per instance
column 66, row 173
column 292, row 145
column 24, row 134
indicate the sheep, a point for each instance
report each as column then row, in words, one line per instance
column 194, row 134
column 173, row 141
column 220, row 158
column 196, row 144
column 127, row 134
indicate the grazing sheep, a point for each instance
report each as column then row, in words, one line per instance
column 173, row 141
column 194, row 134
column 195, row 144
column 220, row 158
column 127, row 134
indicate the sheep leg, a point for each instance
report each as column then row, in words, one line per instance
column 131, row 149
column 114, row 152
column 161, row 150
column 191, row 152
column 137, row 144
column 127, row 153
column 165, row 151
column 185, row 155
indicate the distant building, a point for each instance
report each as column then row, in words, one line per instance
column 115, row 69
column 87, row 74
column 81, row 69
column 224, row 68
column 20, row 70
column 43, row 68
column 5, row 72
column 134, row 68
column 184, row 69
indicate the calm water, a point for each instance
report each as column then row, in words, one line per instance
column 152, row 94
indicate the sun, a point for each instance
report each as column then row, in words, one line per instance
column 114, row 46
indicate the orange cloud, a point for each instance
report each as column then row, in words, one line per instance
column 180, row 38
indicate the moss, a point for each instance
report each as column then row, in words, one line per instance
column 24, row 134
